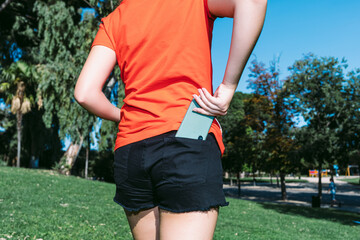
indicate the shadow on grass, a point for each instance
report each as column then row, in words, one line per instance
column 347, row 194
column 250, row 181
column 346, row 218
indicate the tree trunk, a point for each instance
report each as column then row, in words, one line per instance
column 231, row 180
column 254, row 179
column 277, row 180
column 7, row 160
column 112, row 5
column 72, row 153
column 36, row 140
column 4, row 5
column 271, row 181
column 108, row 87
column 18, row 126
column 283, row 186
column 19, row 114
column 86, row 162
column 87, row 157
column 319, row 183
column 238, row 183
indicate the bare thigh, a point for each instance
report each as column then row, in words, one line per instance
column 144, row 224
column 199, row 225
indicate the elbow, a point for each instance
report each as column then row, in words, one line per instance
column 79, row 96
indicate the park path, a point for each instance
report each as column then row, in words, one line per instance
column 299, row 194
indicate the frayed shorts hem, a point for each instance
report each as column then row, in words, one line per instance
column 134, row 209
column 195, row 209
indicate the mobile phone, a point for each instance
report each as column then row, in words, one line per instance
column 194, row 125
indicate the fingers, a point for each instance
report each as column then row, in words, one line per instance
column 213, row 102
column 204, row 112
column 206, row 98
column 208, row 95
column 210, row 109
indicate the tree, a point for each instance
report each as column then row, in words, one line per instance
column 18, row 76
column 316, row 89
column 17, row 38
column 254, row 132
column 232, row 159
column 349, row 121
column 62, row 53
column 55, row 38
column 275, row 118
column 8, row 138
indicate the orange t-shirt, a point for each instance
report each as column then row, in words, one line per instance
column 163, row 49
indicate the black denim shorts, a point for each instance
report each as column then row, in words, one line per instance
column 176, row 174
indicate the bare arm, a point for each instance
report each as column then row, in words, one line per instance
column 88, row 90
column 249, row 16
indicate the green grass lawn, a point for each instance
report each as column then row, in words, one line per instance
column 354, row 181
column 37, row 204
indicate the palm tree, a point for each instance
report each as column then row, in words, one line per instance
column 13, row 83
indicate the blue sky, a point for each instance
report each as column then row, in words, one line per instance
column 293, row 28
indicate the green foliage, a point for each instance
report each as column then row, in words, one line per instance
column 61, row 166
column 17, row 22
column 319, row 92
column 318, row 84
column 12, row 75
column 231, row 129
column 235, row 114
column 17, row 84
column 8, row 139
column 349, row 121
column 270, row 119
column 254, row 131
column 50, row 38
column 62, row 53
column 103, row 8
column 107, row 135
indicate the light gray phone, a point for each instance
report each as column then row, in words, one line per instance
column 195, row 125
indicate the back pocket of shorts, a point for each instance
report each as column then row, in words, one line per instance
column 121, row 159
column 184, row 161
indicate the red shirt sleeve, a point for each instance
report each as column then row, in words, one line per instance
column 104, row 35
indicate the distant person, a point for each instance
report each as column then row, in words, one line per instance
column 336, row 168
column 332, row 190
column 169, row 187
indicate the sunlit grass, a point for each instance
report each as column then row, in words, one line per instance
column 38, row 204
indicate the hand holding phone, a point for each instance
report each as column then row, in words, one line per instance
column 195, row 125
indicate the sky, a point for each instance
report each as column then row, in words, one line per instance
column 293, row 28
